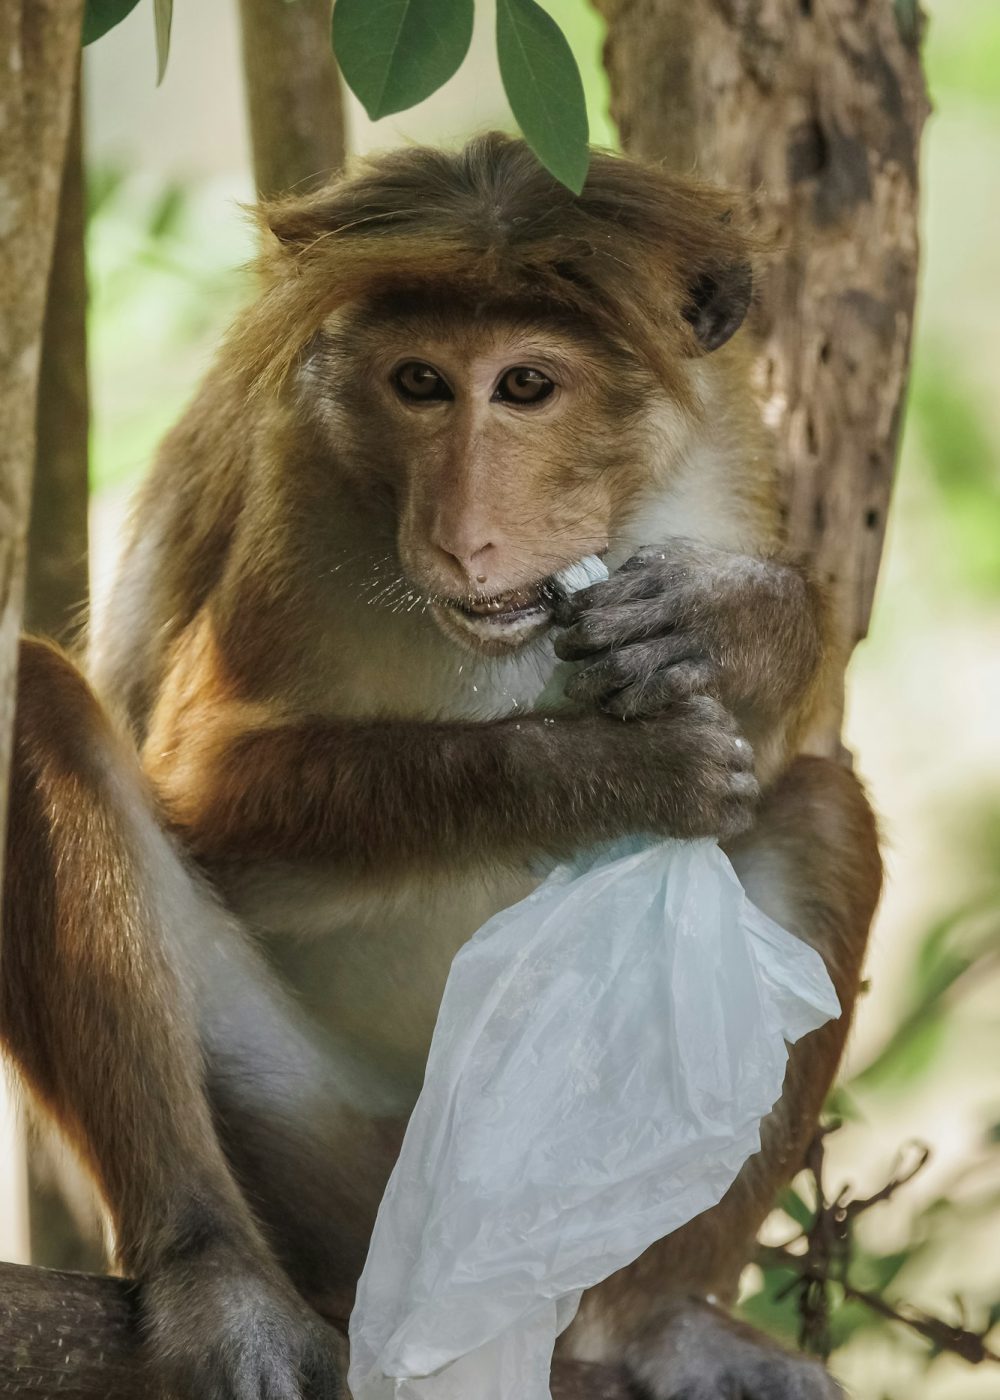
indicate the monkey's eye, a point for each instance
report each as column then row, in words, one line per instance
column 523, row 386
column 420, row 383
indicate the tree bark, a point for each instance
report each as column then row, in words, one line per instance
column 57, row 585
column 78, row 1337
column 40, row 46
column 293, row 94
column 57, row 540
column 814, row 109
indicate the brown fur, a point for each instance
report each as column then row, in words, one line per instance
column 359, row 762
column 493, row 224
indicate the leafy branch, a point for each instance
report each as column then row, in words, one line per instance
column 395, row 53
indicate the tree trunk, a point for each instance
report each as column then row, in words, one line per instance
column 293, row 94
column 814, row 109
column 40, row 45
column 56, row 588
column 57, row 539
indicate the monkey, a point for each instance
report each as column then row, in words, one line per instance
column 309, row 756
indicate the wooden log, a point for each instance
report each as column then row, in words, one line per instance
column 70, row 1336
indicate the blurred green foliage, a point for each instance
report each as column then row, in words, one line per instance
column 584, row 28
column 961, row 450
column 165, row 277
column 963, row 50
column 957, row 954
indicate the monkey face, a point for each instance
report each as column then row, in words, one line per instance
column 508, row 444
column 489, row 357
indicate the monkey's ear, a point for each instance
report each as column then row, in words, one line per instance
column 717, row 305
column 297, row 222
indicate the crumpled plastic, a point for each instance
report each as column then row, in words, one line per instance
column 604, row 1054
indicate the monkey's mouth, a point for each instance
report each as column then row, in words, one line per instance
column 507, row 620
column 509, row 607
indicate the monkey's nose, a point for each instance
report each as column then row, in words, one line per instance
column 473, row 564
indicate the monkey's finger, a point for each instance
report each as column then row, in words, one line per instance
column 653, row 694
column 656, row 570
column 740, row 807
column 615, row 627
column 624, row 666
column 722, row 789
column 263, row 1372
column 711, row 730
column 322, row 1377
column 648, row 583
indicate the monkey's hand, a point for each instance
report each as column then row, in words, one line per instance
column 686, row 619
column 225, row 1326
column 697, row 1351
column 688, row 772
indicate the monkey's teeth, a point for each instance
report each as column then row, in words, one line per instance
column 513, row 604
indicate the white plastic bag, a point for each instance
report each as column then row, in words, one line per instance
column 603, row 1056
column 604, row 1053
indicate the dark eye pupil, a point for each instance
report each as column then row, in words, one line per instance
column 524, row 385
column 419, row 381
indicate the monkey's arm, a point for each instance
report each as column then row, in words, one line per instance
column 384, row 794
column 685, row 618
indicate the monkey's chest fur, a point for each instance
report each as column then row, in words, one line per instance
column 368, row 960
column 367, row 964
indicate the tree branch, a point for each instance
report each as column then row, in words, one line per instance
column 57, row 539
column 827, row 1256
column 293, row 94
column 78, row 1337
column 40, row 44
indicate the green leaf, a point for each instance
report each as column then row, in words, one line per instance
column 875, row 1272
column 840, row 1103
column 774, row 1314
column 101, row 15
column 794, row 1206
column 104, row 182
column 909, row 1054
column 164, row 12
column 166, row 212
column 849, row 1318
column 394, row 53
column 544, row 88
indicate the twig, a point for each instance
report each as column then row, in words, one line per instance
column 826, row 1260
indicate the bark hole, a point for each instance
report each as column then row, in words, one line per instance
column 808, row 152
column 812, row 437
